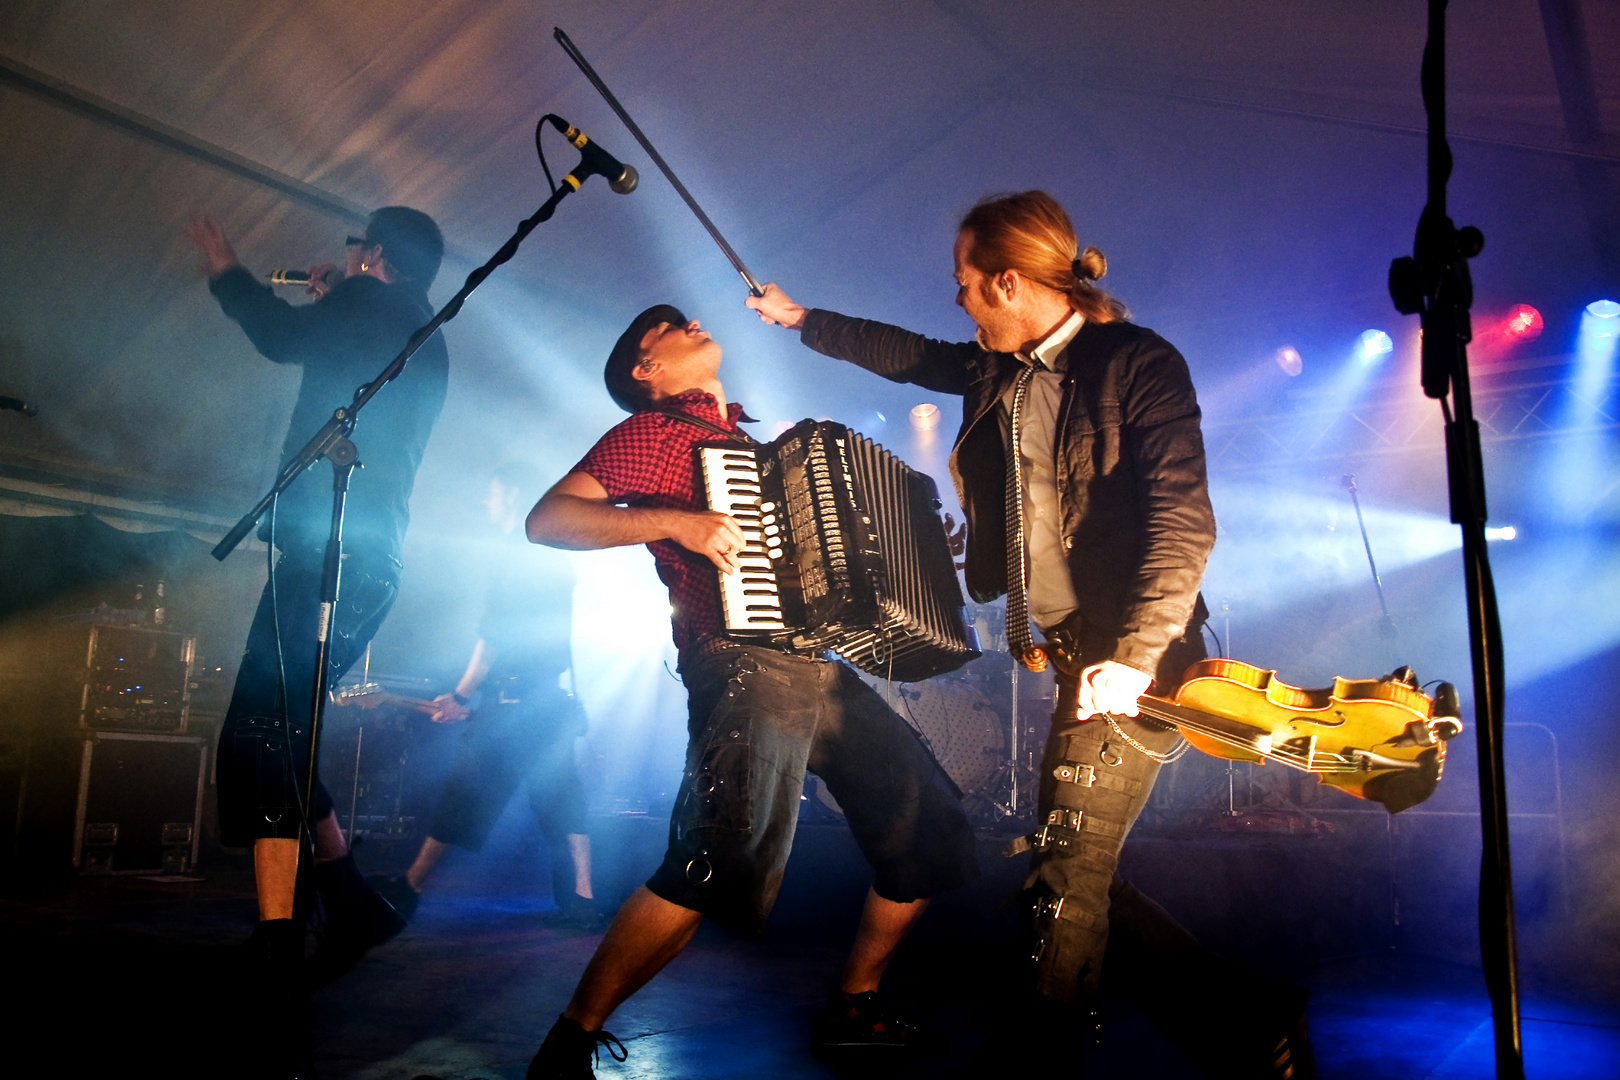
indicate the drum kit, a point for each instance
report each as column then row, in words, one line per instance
column 984, row 723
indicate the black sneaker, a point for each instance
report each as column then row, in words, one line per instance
column 276, row 1041
column 351, row 931
column 1292, row 1058
column 399, row 894
column 575, row 912
column 570, row 1050
column 858, row 1022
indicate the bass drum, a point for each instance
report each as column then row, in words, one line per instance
column 954, row 719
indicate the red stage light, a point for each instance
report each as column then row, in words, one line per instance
column 1523, row 323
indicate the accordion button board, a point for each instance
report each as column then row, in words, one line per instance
column 844, row 550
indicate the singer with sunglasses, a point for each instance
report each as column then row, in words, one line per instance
column 358, row 322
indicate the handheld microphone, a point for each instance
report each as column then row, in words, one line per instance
column 27, row 408
column 301, row 277
column 595, row 161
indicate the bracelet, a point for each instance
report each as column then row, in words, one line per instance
column 455, row 695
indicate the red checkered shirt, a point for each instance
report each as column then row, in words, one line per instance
column 648, row 461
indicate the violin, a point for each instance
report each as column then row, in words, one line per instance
column 1378, row 739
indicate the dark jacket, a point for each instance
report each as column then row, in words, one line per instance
column 341, row 342
column 1137, row 522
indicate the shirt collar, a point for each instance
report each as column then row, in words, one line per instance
column 1047, row 352
column 701, row 401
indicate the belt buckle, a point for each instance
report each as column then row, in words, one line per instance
column 1051, row 834
column 1084, row 775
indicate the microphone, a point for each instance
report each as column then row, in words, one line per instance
column 595, row 161
column 301, row 277
column 27, row 408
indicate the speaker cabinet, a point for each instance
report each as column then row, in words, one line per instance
column 140, row 803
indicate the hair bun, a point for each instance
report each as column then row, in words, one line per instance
column 1090, row 265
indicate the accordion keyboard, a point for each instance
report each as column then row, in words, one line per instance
column 750, row 599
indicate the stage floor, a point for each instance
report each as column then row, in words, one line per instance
column 127, row 976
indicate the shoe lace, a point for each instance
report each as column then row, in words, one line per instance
column 599, row 1039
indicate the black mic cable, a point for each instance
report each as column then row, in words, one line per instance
column 594, row 161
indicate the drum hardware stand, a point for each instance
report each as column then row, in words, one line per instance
column 332, row 443
column 1387, row 633
column 1012, row 747
column 1016, row 777
column 1434, row 283
column 359, row 741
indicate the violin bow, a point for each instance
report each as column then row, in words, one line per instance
column 680, row 188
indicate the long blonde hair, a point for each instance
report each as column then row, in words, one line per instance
column 1029, row 232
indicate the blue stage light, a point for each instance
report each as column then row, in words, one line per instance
column 1605, row 318
column 1375, row 344
column 1505, row 532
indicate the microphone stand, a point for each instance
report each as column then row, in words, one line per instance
column 332, row 442
column 1435, row 284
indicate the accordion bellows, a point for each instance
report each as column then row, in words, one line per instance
column 846, row 551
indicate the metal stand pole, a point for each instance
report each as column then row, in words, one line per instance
column 1012, row 744
column 1435, row 284
column 1387, row 632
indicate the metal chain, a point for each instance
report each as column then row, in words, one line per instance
column 1162, row 759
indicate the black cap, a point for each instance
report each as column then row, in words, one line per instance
column 622, row 387
column 410, row 240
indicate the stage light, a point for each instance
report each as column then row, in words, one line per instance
column 1523, row 323
column 1604, row 316
column 1375, row 345
column 925, row 417
column 1289, row 360
column 1505, row 532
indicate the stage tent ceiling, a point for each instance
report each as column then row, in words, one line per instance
column 1249, row 168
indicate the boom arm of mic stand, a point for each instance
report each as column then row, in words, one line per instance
column 327, row 441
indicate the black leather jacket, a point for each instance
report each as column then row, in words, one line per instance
column 341, row 342
column 1137, row 522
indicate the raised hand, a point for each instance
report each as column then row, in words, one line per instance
column 777, row 308
column 209, row 238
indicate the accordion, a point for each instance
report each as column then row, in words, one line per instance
column 845, row 551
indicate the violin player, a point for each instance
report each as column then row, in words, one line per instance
column 1080, row 467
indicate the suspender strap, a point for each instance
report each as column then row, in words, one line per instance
column 698, row 421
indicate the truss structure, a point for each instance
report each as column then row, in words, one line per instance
column 1542, row 406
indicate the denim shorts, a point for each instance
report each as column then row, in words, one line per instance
column 264, row 744
column 758, row 720
column 507, row 744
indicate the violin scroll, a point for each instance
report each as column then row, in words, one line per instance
column 1447, row 711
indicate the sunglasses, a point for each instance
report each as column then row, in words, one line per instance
column 353, row 240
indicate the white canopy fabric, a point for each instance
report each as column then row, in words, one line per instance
column 1249, row 168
